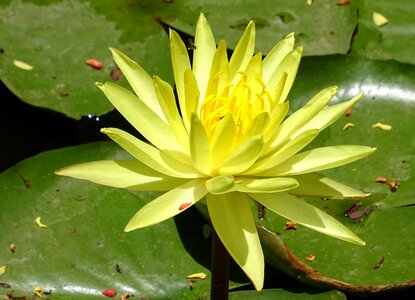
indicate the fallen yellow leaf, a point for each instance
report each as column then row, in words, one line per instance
column 22, row 65
column 37, row 291
column 348, row 125
column 197, row 276
column 2, row 269
column 379, row 19
column 382, row 126
column 39, row 223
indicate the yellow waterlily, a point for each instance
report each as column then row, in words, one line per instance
column 227, row 142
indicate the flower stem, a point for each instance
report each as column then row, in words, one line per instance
column 219, row 285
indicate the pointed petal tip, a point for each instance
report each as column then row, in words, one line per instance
column 299, row 50
column 290, row 35
column 128, row 228
column 58, row 172
column 202, row 17
column 258, row 286
column 115, row 52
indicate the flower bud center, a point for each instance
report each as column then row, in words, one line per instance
column 245, row 101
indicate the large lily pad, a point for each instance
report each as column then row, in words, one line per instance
column 62, row 37
column 84, row 250
column 281, row 294
column 387, row 225
column 322, row 28
column 65, row 34
column 394, row 40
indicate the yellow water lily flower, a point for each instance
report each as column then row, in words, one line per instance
column 229, row 141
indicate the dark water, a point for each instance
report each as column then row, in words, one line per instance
column 28, row 130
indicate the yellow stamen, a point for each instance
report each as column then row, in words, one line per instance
column 244, row 101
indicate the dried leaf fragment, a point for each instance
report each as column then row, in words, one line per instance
column 379, row 19
column 126, row 296
column 394, row 185
column 39, row 223
column 94, row 63
column 22, row 65
column 381, row 179
column 382, row 126
column 309, row 2
column 347, row 126
column 116, row 74
column 379, row 263
column 12, row 248
column 197, row 276
column 2, row 269
column 290, row 225
column 344, row 2
column 310, row 258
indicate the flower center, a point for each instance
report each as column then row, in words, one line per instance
column 245, row 101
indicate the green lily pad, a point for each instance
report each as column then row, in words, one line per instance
column 62, row 37
column 84, row 251
column 281, row 294
column 386, row 222
column 394, row 40
column 65, row 34
column 322, row 28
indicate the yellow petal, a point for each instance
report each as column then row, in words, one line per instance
column 264, row 185
column 203, row 54
column 2, row 270
column 313, row 184
column 181, row 63
column 292, row 208
column 128, row 174
column 243, row 52
column 288, row 65
column 257, row 126
column 328, row 115
column 221, row 141
column 276, row 55
column 219, row 74
column 151, row 156
column 232, row 219
column 139, row 80
column 276, row 116
column 319, row 159
column 141, row 117
column 289, row 149
column 168, row 105
column 168, row 205
column 199, row 146
column 191, row 93
column 301, row 117
column 243, row 156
